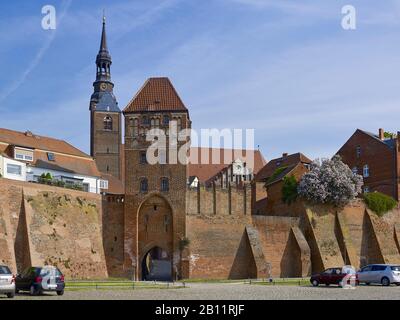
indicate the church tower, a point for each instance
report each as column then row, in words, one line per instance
column 105, row 115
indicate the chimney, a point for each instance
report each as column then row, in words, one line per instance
column 381, row 134
column 284, row 155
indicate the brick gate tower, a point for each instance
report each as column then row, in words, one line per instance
column 105, row 115
column 155, row 194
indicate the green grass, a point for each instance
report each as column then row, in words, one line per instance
column 123, row 284
column 278, row 281
column 212, row 281
column 74, row 285
column 283, row 282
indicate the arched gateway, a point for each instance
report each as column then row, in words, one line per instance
column 155, row 239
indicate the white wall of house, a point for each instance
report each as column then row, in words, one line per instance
column 12, row 169
column 92, row 182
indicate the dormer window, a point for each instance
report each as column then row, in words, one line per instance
column 50, row 156
column 23, row 154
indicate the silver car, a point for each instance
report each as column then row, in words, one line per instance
column 7, row 282
column 385, row 274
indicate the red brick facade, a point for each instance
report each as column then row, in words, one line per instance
column 154, row 216
column 376, row 158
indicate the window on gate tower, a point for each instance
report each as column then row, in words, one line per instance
column 108, row 125
column 164, row 184
column 144, row 185
column 143, row 157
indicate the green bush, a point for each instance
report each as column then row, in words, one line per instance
column 276, row 173
column 379, row 203
column 289, row 190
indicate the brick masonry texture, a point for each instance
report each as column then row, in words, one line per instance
column 85, row 235
column 382, row 160
column 42, row 225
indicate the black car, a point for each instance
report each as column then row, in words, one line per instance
column 37, row 280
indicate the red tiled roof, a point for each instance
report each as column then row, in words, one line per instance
column 206, row 171
column 33, row 141
column 289, row 160
column 157, row 94
column 67, row 158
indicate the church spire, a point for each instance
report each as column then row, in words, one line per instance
column 103, row 98
column 103, row 59
column 103, row 44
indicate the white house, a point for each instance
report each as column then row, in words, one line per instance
column 26, row 157
column 12, row 169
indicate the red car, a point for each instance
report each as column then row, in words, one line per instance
column 334, row 276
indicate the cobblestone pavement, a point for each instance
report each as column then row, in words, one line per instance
column 219, row 291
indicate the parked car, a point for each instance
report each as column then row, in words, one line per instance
column 7, row 282
column 37, row 280
column 385, row 274
column 335, row 276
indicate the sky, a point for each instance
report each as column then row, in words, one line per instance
column 286, row 69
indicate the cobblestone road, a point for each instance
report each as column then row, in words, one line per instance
column 213, row 291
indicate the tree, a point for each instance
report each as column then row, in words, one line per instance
column 289, row 190
column 331, row 181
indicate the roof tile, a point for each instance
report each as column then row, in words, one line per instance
column 157, row 94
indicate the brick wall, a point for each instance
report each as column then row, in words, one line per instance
column 113, row 233
column 46, row 225
column 214, row 200
column 106, row 144
column 378, row 156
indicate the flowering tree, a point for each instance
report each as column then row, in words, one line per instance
column 331, row 181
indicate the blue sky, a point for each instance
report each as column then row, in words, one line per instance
column 285, row 68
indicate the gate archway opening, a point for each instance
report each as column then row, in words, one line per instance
column 157, row 265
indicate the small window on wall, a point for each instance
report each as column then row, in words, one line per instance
column 144, row 187
column 145, row 120
column 86, row 187
column 14, row 169
column 143, row 157
column 366, row 189
column 164, row 184
column 103, row 184
column 166, row 120
column 355, row 170
column 50, row 156
column 358, row 151
column 366, row 171
column 108, row 125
